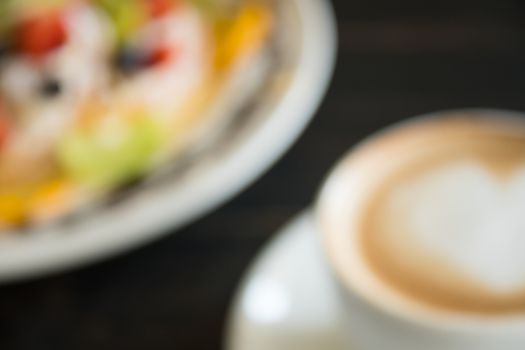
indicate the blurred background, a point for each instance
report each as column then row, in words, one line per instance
column 396, row 60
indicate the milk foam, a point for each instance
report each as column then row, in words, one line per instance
column 466, row 216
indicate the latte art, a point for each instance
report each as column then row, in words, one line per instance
column 446, row 226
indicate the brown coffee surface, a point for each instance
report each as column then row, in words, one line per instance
column 388, row 245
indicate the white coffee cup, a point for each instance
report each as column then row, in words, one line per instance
column 379, row 316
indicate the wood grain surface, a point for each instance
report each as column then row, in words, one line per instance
column 397, row 59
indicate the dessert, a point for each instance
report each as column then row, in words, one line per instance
column 95, row 93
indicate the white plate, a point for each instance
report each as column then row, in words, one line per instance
column 148, row 214
column 287, row 300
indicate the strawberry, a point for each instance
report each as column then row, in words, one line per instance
column 160, row 55
column 4, row 125
column 39, row 34
column 159, row 8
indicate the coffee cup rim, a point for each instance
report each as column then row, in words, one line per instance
column 397, row 307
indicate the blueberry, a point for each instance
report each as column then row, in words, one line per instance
column 50, row 87
column 129, row 59
column 5, row 48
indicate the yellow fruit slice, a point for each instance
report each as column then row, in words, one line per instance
column 12, row 210
column 244, row 36
column 51, row 200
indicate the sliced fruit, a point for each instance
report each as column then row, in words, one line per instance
column 130, row 59
column 244, row 36
column 215, row 8
column 159, row 8
column 36, row 202
column 51, row 200
column 41, row 33
column 108, row 154
column 12, row 10
column 12, row 210
column 4, row 126
column 126, row 16
column 160, row 55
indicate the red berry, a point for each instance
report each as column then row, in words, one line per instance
column 159, row 8
column 39, row 34
column 4, row 126
column 160, row 55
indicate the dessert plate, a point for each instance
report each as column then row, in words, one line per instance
column 266, row 127
column 287, row 299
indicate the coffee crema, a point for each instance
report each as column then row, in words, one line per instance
column 445, row 224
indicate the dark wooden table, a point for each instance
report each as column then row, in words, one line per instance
column 397, row 59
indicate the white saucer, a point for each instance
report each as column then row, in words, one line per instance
column 287, row 300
